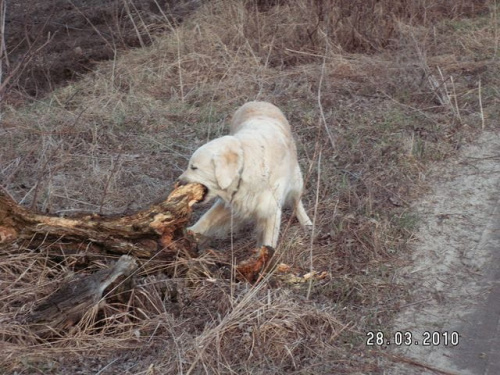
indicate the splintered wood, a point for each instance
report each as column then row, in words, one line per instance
column 253, row 268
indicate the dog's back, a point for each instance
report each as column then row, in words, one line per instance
column 258, row 110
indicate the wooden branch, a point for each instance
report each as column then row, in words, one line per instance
column 143, row 234
column 254, row 268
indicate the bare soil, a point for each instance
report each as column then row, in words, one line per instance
column 449, row 276
column 56, row 41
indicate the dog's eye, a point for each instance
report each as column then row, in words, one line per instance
column 193, row 168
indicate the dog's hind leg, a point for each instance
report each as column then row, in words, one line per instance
column 300, row 211
column 296, row 202
column 294, row 199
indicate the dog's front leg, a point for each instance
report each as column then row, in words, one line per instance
column 270, row 229
column 216, row 222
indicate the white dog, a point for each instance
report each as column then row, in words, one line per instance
column 254, row 173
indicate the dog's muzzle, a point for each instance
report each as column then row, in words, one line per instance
column 181, row 182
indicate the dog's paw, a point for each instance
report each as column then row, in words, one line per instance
column 308, row 227
column 202, row 240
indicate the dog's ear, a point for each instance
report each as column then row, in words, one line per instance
column 228, row 163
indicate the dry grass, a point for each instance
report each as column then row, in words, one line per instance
column 392, row 88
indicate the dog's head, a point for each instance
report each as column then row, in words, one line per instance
column 217, row 165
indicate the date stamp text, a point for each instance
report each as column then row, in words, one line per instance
column 407, row 338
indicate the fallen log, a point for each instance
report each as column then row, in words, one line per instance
column 158, row 230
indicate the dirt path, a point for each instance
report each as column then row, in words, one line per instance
column 455, row 273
